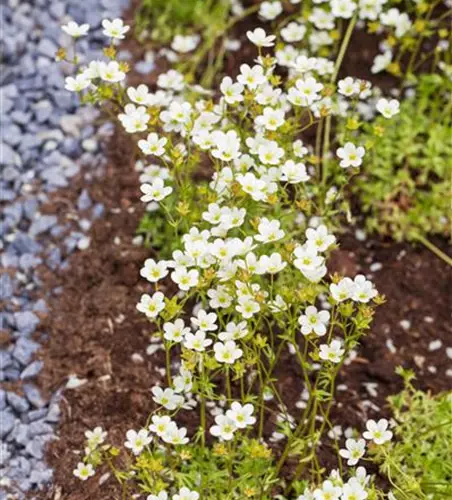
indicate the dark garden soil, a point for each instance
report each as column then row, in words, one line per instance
column 96, row 333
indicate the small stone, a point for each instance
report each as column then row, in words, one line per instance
column 42, row 224
column 35, row 448
column 54, row 414
column 39, row 428
column 47, row 48
column 376, row 266
column 19, row 403
column 26, row 321
column 449, row 352
column 32, row 370
column 84, row 200
column 434, row 345
column 24, row 350
column 7, row 419
column 405, row 324
column 33, row 395
column 84, row 243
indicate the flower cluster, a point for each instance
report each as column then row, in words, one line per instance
column 246, row 281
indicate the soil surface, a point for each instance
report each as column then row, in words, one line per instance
column 96, row 333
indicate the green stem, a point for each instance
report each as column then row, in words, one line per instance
column 433, row 248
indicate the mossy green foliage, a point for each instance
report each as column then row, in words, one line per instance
column 166, row 18
column 405, row 187
column 419, row 463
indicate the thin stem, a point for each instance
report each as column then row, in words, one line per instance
column 433, row 248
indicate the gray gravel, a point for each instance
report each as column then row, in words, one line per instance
column 41, row 150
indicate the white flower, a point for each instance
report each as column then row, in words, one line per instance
column 163, row 495
column 307, row 258
column 184, row 44
column 77, row 84
column 139, row 95
column 205, row 321
column 273, row 264
column 219, row 297
column 197, row 342
column 364, row 289
column 251, row 77
column 224, row 428
column 175, row 332
column 355, row 449
column 270, row 153
column 388, row 108
column 232, row 92
column 115, row 28
column 242, row 416
column 227, row 145
column 332, row 352
column 378, row 431
column 343, row 290
column 134, row 119
column 167, row 398
column 293, row 32
column 155, row 191
column 75, row 30
column 260, row 38
column 320, row 238
column 153, row 145
column 269, row 231
column 234, row 331
column 350, row 155
column 314, row 321
column 136, row 441
column 327, row 492
column 228, row 352
column 343, row 8
column 95, row 437
column 84, row 471
column 270, row 10
column 175, row 436
column 271, row 119
column 247, row 307
column 186, row 494
column 353, row 490
column 160, row 424
column 184, row 381
column 309, row 88
column 111, row 72
column 293, row 173
column 151, row 306
column 171, row 80
column 322, row 19
column 381, row 62
column 154, row 271
column 348, row 86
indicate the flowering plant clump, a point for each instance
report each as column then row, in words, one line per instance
column 243, row 287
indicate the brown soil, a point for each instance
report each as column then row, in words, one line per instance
column 97, row 334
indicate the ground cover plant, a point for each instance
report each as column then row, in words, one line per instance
column 246, row 214
column 405, row 189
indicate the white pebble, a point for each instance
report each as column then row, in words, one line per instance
column 405, row 324
column 84, row 243
column 449, row 352
column 376, row 266
column 435, row 345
